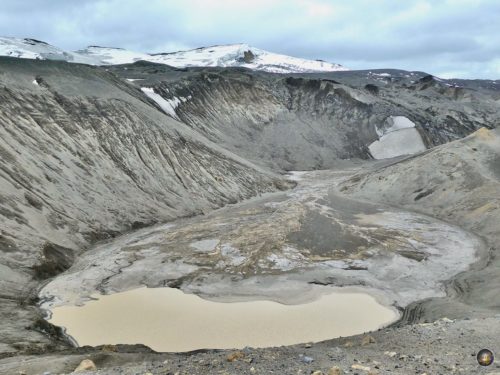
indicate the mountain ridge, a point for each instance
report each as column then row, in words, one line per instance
column 228, row 55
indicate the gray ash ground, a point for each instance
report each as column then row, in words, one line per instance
column 86, row 156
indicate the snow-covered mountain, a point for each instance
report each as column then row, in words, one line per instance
column 36, row 49
column 245, row 56
column 113, row 56
column 232, row 55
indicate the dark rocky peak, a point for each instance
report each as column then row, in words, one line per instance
column 34, row 42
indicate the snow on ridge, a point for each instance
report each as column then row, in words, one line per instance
column 113, row 55
column 26, row 48
column 381, row 74
column 230, row 55
column 243, row 55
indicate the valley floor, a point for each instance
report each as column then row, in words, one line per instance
column 295, row 244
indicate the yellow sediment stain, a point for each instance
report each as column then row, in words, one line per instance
column 483, row 134
column 483, row 209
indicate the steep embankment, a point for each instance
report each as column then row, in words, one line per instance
column 84, row 156
column 458, row 182
column 310, row 121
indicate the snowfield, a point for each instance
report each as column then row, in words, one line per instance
column 232, row 55
column 112, row 56
column 397, row 137
column 35, row 49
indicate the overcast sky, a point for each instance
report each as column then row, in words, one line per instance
column 448, row 38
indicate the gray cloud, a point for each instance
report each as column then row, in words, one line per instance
column 443, row 37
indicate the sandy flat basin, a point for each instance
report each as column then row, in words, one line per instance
column 167, row 319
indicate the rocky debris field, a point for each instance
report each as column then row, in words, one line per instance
column 440, row 348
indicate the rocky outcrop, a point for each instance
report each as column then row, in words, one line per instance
column 248, row 56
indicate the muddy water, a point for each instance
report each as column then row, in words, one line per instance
column 167, row 319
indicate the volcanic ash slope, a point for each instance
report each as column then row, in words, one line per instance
column 458, row 182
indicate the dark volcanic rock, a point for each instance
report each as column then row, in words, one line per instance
column 248, row 56
column 55, row 259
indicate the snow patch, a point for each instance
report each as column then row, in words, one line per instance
column 394, row 123
column 402, row 142
column 168, row 106
column 398, row 137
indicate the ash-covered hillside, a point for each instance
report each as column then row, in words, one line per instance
column 85, row 156
column 308, row 121
column 89, row 152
